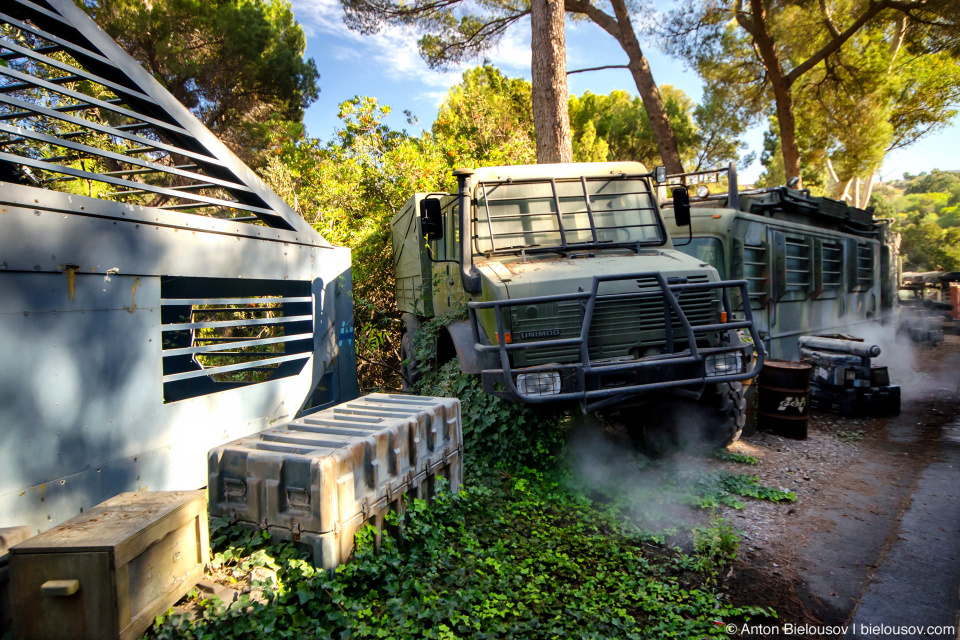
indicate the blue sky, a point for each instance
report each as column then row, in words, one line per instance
column 388, row 67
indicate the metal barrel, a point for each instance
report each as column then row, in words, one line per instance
column 784, row 398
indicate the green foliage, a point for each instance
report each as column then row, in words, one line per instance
column 487, row 120
column 722, row 488
column 349, row 189
column 936, row 181
column 496, row 433
column 927, row 216
column 716, row 544
column 237, row 64
column 931, row 247
column 619, row 122
column 855, row 435
column 512, row 556
column 732, row 456
column 877, row 92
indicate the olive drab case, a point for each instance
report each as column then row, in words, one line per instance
column 320, row 478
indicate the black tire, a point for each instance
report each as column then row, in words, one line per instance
column 731, row 409
column 408, row 362
column 716, row 420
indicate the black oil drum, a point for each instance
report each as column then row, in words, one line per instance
column 783, row 398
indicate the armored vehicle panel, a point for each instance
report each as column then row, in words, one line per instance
column 803, row 275
column 156, row 297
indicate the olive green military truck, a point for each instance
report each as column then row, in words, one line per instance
column 815, row 266
column 575, row 293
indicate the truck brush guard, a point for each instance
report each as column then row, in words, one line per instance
column 601, row 382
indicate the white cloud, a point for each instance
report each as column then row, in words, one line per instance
column 394, row 49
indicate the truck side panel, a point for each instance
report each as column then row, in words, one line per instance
column 411, row 264
column 801, row 279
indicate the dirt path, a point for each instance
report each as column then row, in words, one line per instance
column 814, row 560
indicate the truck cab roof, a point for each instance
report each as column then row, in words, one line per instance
column 562, row 170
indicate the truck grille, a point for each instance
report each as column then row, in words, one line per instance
column 620, row 328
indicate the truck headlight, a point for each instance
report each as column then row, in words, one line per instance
column 723, row 364
column 541, row 383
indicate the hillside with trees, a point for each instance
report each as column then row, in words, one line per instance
column 926, row 210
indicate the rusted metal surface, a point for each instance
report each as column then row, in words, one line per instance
column 783, row 401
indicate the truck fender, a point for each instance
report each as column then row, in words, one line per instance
column 458, row 337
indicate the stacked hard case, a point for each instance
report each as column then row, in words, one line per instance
column 319, row 478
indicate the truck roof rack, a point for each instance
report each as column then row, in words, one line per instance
column 774, row 202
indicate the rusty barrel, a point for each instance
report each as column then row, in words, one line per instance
column 783, row 398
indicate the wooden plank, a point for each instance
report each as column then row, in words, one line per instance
column 164, row 566
column 110, row 524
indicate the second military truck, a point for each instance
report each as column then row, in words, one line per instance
column 575, row 293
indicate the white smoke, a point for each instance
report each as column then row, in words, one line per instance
column 919, row 369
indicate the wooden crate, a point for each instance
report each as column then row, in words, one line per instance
column 108, row 572
column 9, row 536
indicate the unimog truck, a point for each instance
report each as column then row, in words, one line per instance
column 575, row 294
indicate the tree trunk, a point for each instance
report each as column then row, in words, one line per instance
column 867, row 191
column 846, row 190
column 756, row 26
column 788, row 131
column 649, row 94
column 551, row 121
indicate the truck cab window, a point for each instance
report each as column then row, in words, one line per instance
column 709, row 250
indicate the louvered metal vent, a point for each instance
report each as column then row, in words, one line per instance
column 619, row 327
column 756, row 273
column 799, row 266
column 263, row 331
column 864, row 266
column 79, row 115
column 832, row 265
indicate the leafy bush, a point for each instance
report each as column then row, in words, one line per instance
column 716, row 544
column 495, row 432
column 513, row 556
column 722, row 488
column 732, row 456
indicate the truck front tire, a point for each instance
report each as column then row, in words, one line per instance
column 731, row 409
column 715, row 420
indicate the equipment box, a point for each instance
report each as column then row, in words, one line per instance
column 319, row 478
column 109, row 572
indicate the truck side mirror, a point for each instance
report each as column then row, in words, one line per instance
column 681, row 207
column 431, row 219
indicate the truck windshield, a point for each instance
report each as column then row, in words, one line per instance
column 565, row 213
